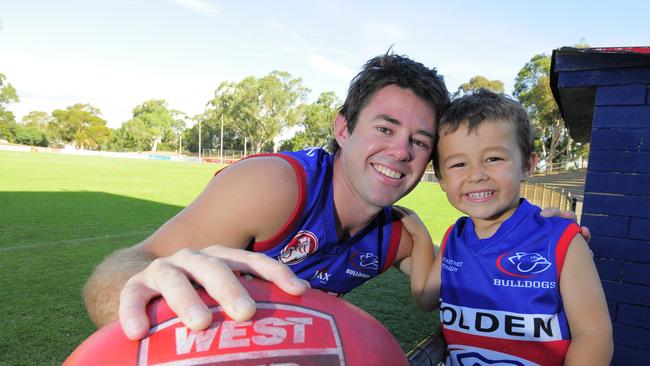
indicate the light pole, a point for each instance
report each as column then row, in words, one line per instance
column 221, row 142
column 200, row 139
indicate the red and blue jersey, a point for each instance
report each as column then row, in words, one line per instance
column 500, row 296
column 308, row 243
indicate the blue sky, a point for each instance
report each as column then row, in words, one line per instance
column 115, row 54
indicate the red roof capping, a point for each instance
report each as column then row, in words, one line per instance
column 643, row 49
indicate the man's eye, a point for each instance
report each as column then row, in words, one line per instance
column 420, row 143
column 385, row 130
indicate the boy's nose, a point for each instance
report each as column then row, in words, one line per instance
column 477, row 174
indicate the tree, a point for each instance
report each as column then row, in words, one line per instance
column 478, row 82
column 8, row 95
column 47, row 125
column 81, row 125
column 152, row 123
column 317, row 123
column 532, row 88
column 258, row 110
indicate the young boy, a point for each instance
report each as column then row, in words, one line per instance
column 514, row 288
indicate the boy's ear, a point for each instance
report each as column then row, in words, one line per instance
column 340, row 129
column 441, row 183
column 529, row 168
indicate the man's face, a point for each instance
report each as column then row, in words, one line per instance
column 389, row 149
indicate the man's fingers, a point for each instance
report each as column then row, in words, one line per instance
column 554, row 211
column 211, row 268
column 586, row 234
column 219, row 281
column 172, row 280
column 132, row 309
column 550, row 212
column 261, row 266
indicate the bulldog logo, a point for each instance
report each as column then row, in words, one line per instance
column 522, row 264
column 300, row 247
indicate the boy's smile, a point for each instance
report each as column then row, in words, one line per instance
column 482, row 170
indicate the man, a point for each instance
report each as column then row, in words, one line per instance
column 309, row 209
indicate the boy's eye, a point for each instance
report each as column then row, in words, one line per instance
column 493, row 159
column 383, row 129
column 457, row 165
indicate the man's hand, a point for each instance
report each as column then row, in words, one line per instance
column 554, row 211
column 212, row 268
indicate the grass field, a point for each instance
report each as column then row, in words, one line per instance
column 61, row 214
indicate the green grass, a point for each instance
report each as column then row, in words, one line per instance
column 61, row 214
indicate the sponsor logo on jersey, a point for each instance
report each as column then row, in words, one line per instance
column 522, row 264
column 300, row 247
column 523, row 283
column 501, row 324
column 360, row 263
column 451, row 265
column 279, row 334
column 322, row 275
column 475, row 356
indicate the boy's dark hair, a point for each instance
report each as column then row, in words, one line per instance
column 486, row 105
column 391, row 69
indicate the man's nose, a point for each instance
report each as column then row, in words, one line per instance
column 402, row 149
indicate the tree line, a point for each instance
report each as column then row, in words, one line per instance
column 253, row 113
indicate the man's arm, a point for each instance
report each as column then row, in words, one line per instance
column 586, row 309
column 249, row 201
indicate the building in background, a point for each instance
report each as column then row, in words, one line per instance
column 604, row 98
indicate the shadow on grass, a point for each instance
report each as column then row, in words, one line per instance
column 51, row 241
column 49, row 244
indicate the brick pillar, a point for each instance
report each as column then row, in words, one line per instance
column 617, row 208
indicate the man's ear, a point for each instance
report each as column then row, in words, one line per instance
column 340, row 129
column 529, row 169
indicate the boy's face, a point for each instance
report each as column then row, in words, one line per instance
column 389, row 149
column 482, row 170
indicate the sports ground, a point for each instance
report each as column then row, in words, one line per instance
column 61, row 214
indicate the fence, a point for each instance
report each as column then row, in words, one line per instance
column 229, row 156
column 546, row 196
column 562, row 167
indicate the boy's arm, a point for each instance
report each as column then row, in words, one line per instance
column 586, row 309
column 421, row 262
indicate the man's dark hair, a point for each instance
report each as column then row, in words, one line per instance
column 485, row 105
column 391, row 69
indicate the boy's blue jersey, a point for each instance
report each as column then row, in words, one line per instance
column 500, row 296
column 308, row 243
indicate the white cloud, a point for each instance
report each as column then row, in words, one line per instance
column 115, row 90
column 199, row 6
column 323, row 65
column 287, row 31
column 382, row 32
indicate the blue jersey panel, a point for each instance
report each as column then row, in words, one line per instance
column 504, row 290
column 311, row 247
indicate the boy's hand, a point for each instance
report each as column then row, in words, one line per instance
column 554, row 211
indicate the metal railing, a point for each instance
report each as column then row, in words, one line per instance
column 547, row 196
column 431, row 351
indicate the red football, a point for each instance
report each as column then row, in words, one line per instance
column 312, row 329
